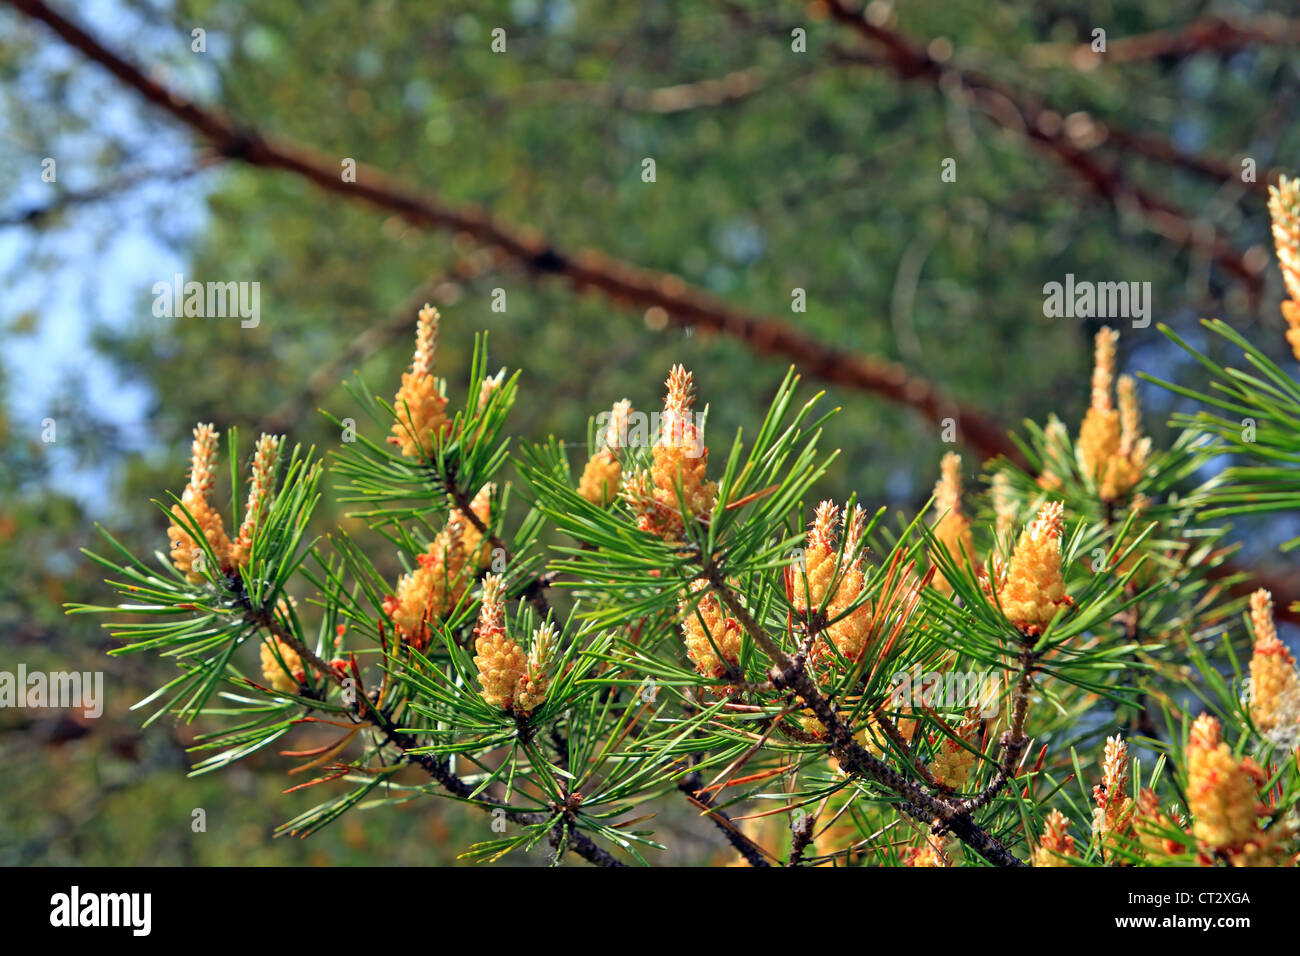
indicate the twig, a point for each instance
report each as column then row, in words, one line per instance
column 1209, row 34
column 893, row 733
column 679, row 98
column 534, row 588
column 1013, row 741
column 108, row 190
column 801, row 834
column 747, row 848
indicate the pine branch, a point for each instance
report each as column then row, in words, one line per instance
column 625, row 283
column 579, row 842
column 789, row 675
column 438, row 769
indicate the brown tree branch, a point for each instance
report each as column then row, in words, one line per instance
column 1042, row 126
column 1161, row 150
column 619, row 281
column 1098, row 133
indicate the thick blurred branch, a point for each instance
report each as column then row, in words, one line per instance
column 1011, row 110
column 1162, row 150
column 618, row 281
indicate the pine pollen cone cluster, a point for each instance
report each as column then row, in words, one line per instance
column 187, row 555
column 1111, row 450
column 1116, row 818
column 831, row 580
column 1113, row 816
column 1223, row 800
column 1153, row 826
column 713, row 639
column 1222, row 795
column 954, row 759
column 933, row 851
column 1274, row 680
column 420, row 403
column 680, row 461
column 1056, row 846
column 445, row 572
column 952, row 529
column 284, row 672
column 1031, row 589
column 473, row 542
column 603, row 474
column 1284, row 210
column 510, row 678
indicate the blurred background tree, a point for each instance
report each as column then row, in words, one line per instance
column 782, row 161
